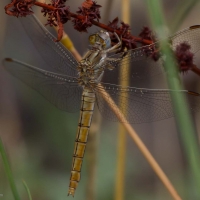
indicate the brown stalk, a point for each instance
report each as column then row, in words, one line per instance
column 196, row 70
column 66, row 41
column 121, row 147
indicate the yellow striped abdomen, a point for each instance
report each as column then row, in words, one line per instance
column 87, row 107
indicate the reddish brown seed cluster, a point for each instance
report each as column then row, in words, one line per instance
column 90, row 11
column 60, row 14
column 88, row 15
column 20, row 8
column 127, row 39
column 184, row 57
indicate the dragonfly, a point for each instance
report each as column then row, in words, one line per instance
column 71, row 85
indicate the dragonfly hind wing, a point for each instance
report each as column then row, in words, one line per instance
column 191, row 35
column 139, row 73
column 138, row 105
column 53, row 53
column 60, row 90
column 147, row 66
column 136, row 63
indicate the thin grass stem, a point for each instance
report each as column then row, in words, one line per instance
column 9, row 172
column 27, row 190
column 182, row 114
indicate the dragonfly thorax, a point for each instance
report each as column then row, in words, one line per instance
column 90, row 68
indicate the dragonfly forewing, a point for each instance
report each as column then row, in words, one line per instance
column 61, row 90
column 54, row 53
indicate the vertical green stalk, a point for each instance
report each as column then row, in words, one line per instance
column 8, row 172
column 182, row 114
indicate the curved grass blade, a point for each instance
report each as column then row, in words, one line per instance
column 27, row 190
column 9, row 172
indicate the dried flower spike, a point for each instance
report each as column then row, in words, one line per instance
column 90, row 11
column 87, row 16
column 20, row 8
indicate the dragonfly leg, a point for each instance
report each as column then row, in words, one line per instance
column 115, row 47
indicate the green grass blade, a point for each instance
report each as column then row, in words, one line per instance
column 27, row 190
column 182, row 113
column 8, row 172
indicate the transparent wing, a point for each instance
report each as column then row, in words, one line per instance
column 147, row 66
column 135, row 64
column 54, row 53
column 61, row 90
column 137, row 72
column 191, row 35
column 139, row 105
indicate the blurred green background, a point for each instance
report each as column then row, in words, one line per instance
column 39, row 139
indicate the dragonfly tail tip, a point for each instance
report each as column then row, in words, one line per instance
column 71, row 192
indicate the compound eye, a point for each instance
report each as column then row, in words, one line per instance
column 92, row 39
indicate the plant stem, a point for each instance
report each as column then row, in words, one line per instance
column 196, row 70
column 182, row 114
column 66, row 41
column 9, row 172
column 27, row 190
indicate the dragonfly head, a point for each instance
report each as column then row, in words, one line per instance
column 100, row 40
